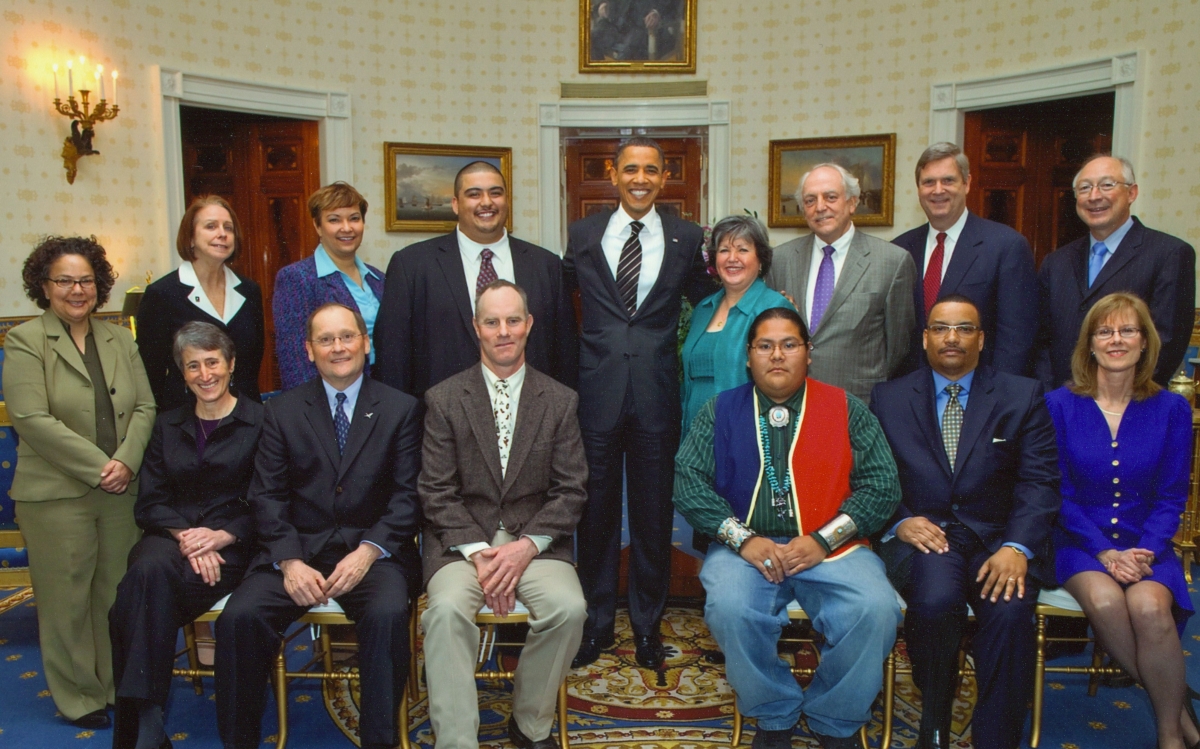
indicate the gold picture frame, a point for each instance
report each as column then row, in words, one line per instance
column 613, row 39
column 418, row 183
column 870, row 158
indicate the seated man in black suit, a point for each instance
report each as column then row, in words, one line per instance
column 335, row 502
column 979, row 475
column 424, row 332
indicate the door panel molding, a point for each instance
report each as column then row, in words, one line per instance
column 1122, row 74
column 329, row 108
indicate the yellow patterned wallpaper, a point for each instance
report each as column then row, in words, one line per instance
column 447, row 71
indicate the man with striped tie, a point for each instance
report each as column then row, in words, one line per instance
column 631, row 267
column 853, row 291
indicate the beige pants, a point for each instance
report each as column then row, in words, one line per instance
column 557, row 611
column 77, row 554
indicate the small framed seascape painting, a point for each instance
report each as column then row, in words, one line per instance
column 870, row 158
column 419, row 183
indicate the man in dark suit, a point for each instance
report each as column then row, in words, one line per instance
column 631, row 267
column 979, row 476
column 958, row 252
column 424, row 332
column 335, row 502
column 1119, row 254
column 502, row 486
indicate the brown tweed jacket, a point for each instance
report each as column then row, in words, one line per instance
column 462, row 493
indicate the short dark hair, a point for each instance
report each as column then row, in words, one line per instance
column 741, row 227
column 639, row 141
column 203, row 336
column 335, row 196
column 777, row 313
column 358, row 318
column 944, row 150
column 473, row 168
column 187, row 227
column 36, row 270
column 957, row 298
column 500, row 283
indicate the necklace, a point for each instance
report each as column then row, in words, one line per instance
column 207, row 432
column 1111, row 413
column 780, row 492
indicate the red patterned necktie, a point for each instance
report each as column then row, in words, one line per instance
column 487, row 271
column 933, row 274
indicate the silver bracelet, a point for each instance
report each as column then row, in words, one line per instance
column 733, row 533
column 838, row 531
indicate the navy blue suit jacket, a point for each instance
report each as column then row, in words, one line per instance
column 1005, row 482
column 1164, row 276
column 993, row 266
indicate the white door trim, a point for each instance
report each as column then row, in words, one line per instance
column 948, row 102
column 625, row 114
column 330, row 109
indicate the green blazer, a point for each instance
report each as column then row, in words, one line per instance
column 50, row 402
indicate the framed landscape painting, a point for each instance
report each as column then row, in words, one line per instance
column 637, row 36
column 419, row 183
column 870, row 158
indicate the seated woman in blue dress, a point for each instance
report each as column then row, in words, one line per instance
column 1124, row 447
column 198, row 530
column 714, row 354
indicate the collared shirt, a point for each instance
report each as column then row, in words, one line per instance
column 1112, row 241
column 516, row 381
column 874, row 484
column 233, row 299
column 948, row 244
column 654, row 245
column 106, row 420
column 472, row 260
column 841, row 246
column 368, row 303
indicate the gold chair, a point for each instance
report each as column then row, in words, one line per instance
column 1189, row 522
column 488, row 621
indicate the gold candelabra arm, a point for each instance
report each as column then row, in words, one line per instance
column 83, row 119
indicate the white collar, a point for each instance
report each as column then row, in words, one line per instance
column 652, row 221
column 233, row 299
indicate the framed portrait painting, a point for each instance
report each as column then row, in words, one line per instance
column 870, row 158
column 637, row 36
column 419, row 183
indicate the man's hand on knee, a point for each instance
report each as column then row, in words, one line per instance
column 350, row 571
column 766, row 556
column 500, row 568
column 802, row 553
column 303, row 584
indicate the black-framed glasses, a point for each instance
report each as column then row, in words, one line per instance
column 1128, row 331
column 67, row 284
column 941, row 330
column 327, row 341
column 1105, row 187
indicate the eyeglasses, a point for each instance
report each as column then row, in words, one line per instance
column 788, row 347
column 67, row 284
column 942, row 330
column 1129, row 331
column 1105, row 187
column 326, row 341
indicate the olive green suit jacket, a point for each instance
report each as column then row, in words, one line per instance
column 52, row 407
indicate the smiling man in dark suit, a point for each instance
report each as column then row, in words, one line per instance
column 1119, row 254
column 424, row 332
column 502, row 486
column 958, row 252
column 334, row 496
column 979, row 476
column 631, row 266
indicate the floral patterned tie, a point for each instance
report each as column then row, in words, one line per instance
column 502, row 410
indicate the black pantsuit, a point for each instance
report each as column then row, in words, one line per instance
column 252, row 625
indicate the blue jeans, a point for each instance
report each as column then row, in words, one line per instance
column 849, row 601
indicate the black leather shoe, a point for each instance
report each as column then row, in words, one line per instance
column 522, row 741
column 839, row 742
column 649, row 651
column 764, row 739
column 589, row 650
column 94, row 720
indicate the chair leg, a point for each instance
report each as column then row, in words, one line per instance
column 889, row 697
column 564, row 740
column 281, row 699
column 189, row 639
column 1094, row 671
column 327, row 649
column 736, row 738
column 1187, row 563
column 1039, row 682
column 414, row 685
column 862, row 735
column 404, row 727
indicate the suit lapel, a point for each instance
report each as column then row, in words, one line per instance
column 529, row 420
column 980, row 405
column 803, row 261
column 478, row 406
column 857, row 260
column 321, row 421
column 107, row 350
column 450, row 261
column 1124, row 255
column 365, row 416
column 1079, row 265
column 924, row 412
column 964, row 255
column 670, row 257
column 605, row 273
column 63, row 345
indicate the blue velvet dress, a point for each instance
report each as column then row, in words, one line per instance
column 1123, row 492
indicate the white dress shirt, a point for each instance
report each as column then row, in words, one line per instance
column 654, row 245
column 948, row 245
column 472, row 259
column 233, row 300
column 841, row 246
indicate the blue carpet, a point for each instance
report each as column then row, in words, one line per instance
column 615, row 705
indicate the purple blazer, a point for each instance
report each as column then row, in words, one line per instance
column 298, row 291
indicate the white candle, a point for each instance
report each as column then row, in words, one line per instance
column 70, row 81
column 55, row 66
column 100, row 77
column 114, row 88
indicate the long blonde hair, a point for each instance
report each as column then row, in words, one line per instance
column 1083, row 363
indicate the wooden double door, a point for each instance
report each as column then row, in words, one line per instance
column 589, row 165
column 266, row 167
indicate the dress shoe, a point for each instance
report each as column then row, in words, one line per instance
column 649, row 651
column 764, row 739
column 94, row 720
column 589, row 650
column 839, row 742
column 522, row 741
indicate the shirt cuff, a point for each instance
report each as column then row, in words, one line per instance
column 383, row 553
column 1021, row 548
column 891, row 532
column 541, row 542
column 468, row 549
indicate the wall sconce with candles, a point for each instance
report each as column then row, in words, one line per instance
column 83, row 118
